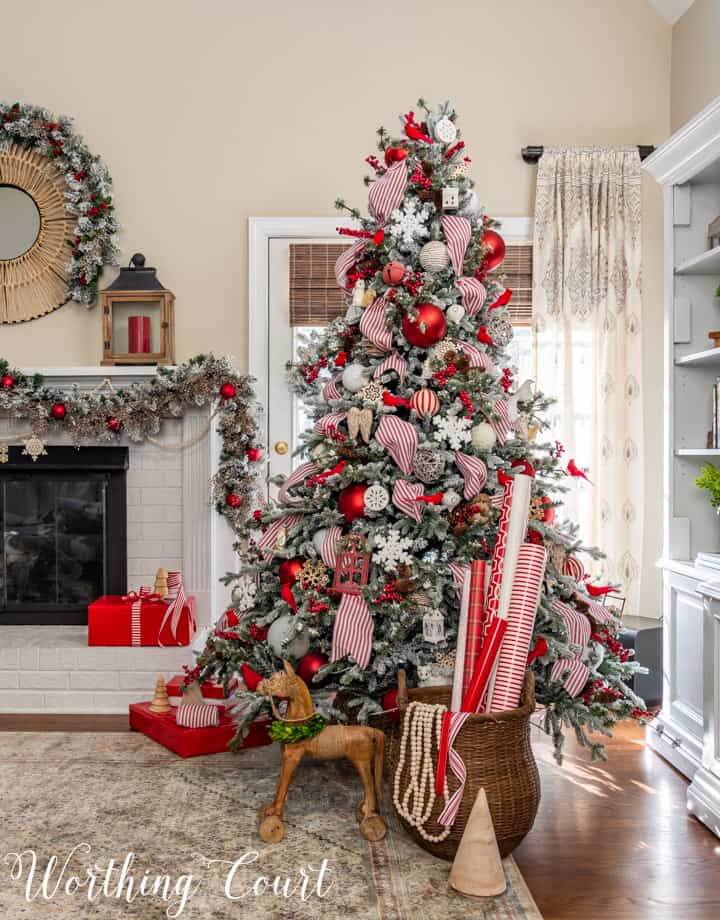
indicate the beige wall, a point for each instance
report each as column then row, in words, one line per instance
column 207, row 113
column 695, row 61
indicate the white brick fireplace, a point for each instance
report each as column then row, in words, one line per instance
column 171, row 523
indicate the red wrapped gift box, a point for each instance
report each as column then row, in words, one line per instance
column 110, row 622
column 192, row 742
column 212, row 691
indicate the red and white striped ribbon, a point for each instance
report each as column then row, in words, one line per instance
column 474, row 473
column 297, row 476
column 573, row 568
column 197, row 715
column 506, row 687
column 353, row 630
column 573, row 674
column 136, row 616
column 373, row 325
column 578, row 632
column 328, row 423
column 601, row 614
column 459, row 570
column 473, row 294
column 346, row 260
column 457, row 765
column 271, row 534
column 477, row 358
column 457, row 232
column 500, row 423
column 330, row 390
column 393, row 362
column 328, row 550
column 400, row 439
column 496, row 500
column 404, row 497
column 388, row 191
column 576, row 625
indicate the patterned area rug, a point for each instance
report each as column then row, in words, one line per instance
column 101, row 797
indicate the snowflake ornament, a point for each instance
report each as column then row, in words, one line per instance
column 244, row 593
column 409, row 223
column 313, row 574
column 376, row 498
column 391, row 550
column 372, row 392
column 452, row 428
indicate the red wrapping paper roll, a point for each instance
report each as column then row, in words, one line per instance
column 485, row 664
column 476, row 617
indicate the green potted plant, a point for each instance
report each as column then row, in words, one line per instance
column 709, row 479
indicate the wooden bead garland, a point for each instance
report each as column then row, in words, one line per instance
column 422, row 722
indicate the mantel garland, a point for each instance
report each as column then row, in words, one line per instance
column 87, row 190
column 137, row 411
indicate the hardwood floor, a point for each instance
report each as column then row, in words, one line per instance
column 612, row 841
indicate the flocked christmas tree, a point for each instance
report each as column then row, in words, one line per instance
column 417, row 420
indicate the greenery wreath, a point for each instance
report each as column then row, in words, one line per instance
column 87, row 190
column 107, row 414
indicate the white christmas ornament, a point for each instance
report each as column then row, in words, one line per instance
column 376, row 498
column 455, row 312
column 321, row 452
column 450, row 499
column 279, row 631
column 409, row 223
column 483, row 436
column 354, row 377
column 444, row 130
column 244, row 592
column 433, row 627
column 452, row 428
column 358, row 293
column 391, row 550
column 434, row 256
column 318, row 539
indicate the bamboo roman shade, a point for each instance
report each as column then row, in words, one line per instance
column 315, row 299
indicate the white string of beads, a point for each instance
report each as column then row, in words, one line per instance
column 422, row 723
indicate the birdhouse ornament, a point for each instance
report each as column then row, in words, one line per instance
column 352, row 566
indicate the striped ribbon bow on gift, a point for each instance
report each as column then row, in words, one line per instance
column 173, row 614
column 137, row 597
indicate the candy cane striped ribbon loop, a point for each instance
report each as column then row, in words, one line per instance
column 387, row 192
column 572, row 672
column 393, row 362
column 136, row 615
column 457, row 232
column 601, row 614
column 404, row 497
column 272, row 533
column 328, row 550
column 174, row 612
column 330, row 390
column 346, row 260
column 457, row 765
column 295, row 478
column 477, row 358
column 400, row 439
column 327, row 424
column 353, row 630
column 500, row 422
column 474, row 473
column 473, row 294
column 373, row 325
column 573, row 568
column 459, row 570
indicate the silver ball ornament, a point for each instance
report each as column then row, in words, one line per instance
column 319, row 538
column 279, row 631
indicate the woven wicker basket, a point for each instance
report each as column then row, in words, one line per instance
column 497, row 754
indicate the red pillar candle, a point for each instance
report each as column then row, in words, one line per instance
column 139, row 335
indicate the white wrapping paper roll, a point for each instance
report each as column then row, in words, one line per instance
column 457, row 689
column 516, row 530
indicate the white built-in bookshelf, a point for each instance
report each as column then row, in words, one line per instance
column 686, row 731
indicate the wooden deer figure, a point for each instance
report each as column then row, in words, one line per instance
column 361, row 745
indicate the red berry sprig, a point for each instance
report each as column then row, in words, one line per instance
column 442, row 376
column 507, row 379
column 467, row 403
column 389, row 594
column 418, row 177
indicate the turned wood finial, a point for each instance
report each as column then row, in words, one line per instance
column 161, row 701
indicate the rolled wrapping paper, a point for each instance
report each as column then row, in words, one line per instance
column 512, row 528
column 475, row 621
column 485, row 665
column 457, row 690
column 505, row 688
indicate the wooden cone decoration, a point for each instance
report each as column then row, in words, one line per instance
column 477, row 870
column 161, row 582
column 161, row 702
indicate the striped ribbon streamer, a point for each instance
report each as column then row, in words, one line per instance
column 601, row 614
column 459, row 570
column 404, row 497
column 174, row 613
column 457, row 765
column 474, row 473
column 297, row 476
column 506, row 684
column 136, row 616
column 501, row 423
column 330, row 390
column 473, row 294
column 327, row 424
column 197, row 715
column 457, row 232
column 572, row 672
column 387, row 192
column 353, row 630
column 573, row 568
column 400, row 439
column 476, row 622
column 373, row 325
column 346, row 260
column 328, row 550
column 393, row 362
column 271, row 534
column 477, row 358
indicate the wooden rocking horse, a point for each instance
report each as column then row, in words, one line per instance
column 361, row 745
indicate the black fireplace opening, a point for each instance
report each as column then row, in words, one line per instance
column 63, row 532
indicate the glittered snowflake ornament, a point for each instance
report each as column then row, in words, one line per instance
column 392, row 550
column 455, row 429
column 409, row 223
column 244, row 593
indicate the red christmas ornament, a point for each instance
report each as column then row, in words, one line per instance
column 228, row 391
column 114, row 424
column 309, row 665
column 253, row 454
column 250, row 678
column 525, row 467
column 393, row 273
column 429, row 327
column 351, row 502
column 394, row 154
column 58, row 411
column 549, row 512
column 390, row 705
column 289, row 570
column 8, row 382
column 494, row 248
column 233, row 500
column 534, row 536
column 231, row 618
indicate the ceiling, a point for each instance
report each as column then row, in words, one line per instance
column 671, row 10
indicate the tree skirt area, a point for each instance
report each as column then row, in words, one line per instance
column 104, row 796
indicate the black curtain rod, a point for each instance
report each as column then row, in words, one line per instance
column 532, row 154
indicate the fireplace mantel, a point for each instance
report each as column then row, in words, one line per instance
column 89, row 377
